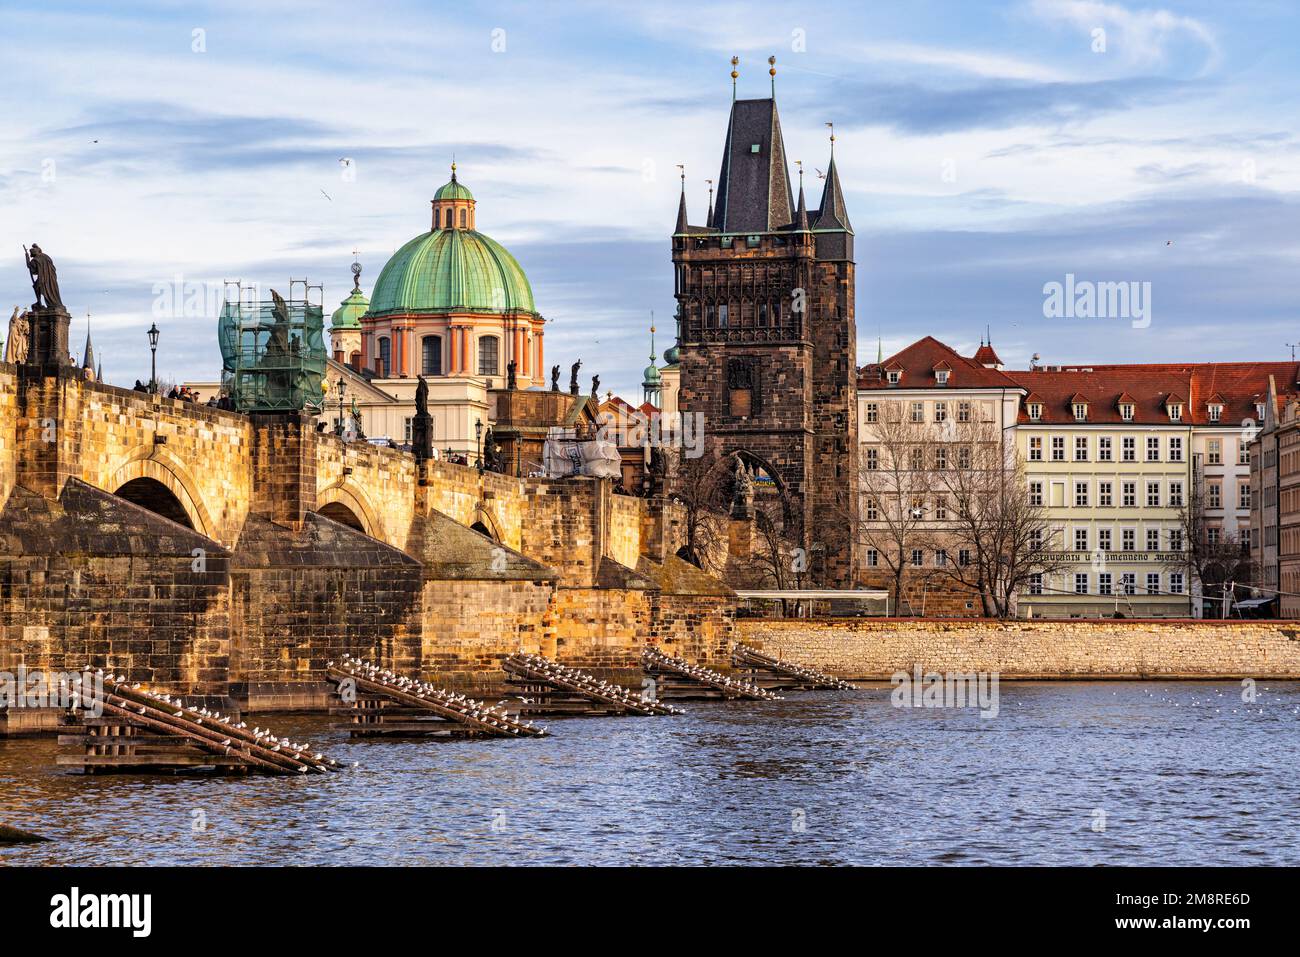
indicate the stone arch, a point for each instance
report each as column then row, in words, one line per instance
column 153, row 495
column 158, row 464
column 753, row 460
column 485, row 523
column 350, row 500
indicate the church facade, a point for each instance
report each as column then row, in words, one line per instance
column 767, row 350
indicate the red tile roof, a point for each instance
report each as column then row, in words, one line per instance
column 986, row 356
column 918, row 363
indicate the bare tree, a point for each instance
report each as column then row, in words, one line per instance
column 701, row 487
column 892, row 478
column 1210, row 555
column 982, row 511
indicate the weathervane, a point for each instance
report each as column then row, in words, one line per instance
column 832, row 129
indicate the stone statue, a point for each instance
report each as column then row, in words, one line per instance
column 573, row 377
column 555, row 378
column 491, row 452
column 16, row 345
column 45, row 280
column 595, row 386
column 421, row 396
column 512, row 378
column 742, row 498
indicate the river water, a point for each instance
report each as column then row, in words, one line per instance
column 1066, row 773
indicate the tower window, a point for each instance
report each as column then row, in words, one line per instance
column 743, row 397
column 384, row 362
column 487, row 356
column 431, row 355
column 463, row 214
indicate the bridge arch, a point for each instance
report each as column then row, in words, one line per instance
column 148, row 468
column 485, row 523
column 348, row 505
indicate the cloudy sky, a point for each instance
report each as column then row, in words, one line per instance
column 986, row 149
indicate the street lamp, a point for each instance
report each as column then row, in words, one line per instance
column 478, row 438
column 342, row 387
column 153, row 351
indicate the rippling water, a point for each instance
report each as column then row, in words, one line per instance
column 1185, row 773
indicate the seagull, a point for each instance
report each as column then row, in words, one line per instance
column 326, row 195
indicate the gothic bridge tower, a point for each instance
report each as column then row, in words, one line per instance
column 768, row 338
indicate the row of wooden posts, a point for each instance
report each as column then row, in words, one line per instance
column 125, row 727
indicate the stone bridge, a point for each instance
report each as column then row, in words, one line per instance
column 210, row 552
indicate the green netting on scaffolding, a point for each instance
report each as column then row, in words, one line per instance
column 273, row 355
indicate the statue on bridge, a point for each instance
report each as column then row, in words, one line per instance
column 422, row 423
column 573, row 377
column 19, row 339
column 512, row 375
column 45, row 279
column 555, row 378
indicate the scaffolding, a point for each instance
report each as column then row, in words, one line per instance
column 273, row 352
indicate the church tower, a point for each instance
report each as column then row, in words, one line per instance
column 768, row 337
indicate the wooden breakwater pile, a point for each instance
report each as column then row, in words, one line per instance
column 773, row 673
column 548, row 687
column 127, row 728
column 678, row 679
column 379, row 703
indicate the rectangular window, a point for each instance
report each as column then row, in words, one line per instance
column 1130, row 494
column 941, row 458
column 873, row 558
column 1035, row 493
column 963, row 411
column 1175, row 494
column 963, row 457
column 1128, row 446
column 431, row 355
column 1058, row 448
column 1212, row 536
column 917, row 458
column 407, row 430
column 1153, row 583
column 1080, row 494
column 963, row 557
column 1104, row 539
column 918, row 557
column 1103, row 583
column 1128, row 539
column 1215, row 490
column 1036, row 584
column 1081, row 448
column 1105, row 494
column 1153, row 448
column 1036, row 539
column 1216, row 412
column 723, row 316
column 941, row 412
column 872, row 413
column 1153, row 494
column 1215, row 451
column 1104, row 450
column 1175, row 448
column 488, row 362
column 1080, row 412
column 1153, row 539
column 1243, row 453
column 873, row 510
column 1129, row 580
column 940, row 558
column 1176, row 582
column 940, row 508
column 1176, row 540
column 1035, row 448
column 918, row 411
column 1243, row 495
column 873, row 460
column 1081, row 583
column 1080, row 539
column 385, row 357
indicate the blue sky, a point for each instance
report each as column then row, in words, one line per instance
column 985, row 149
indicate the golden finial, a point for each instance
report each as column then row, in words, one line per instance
column 734, row 73
column 771, row 63
column 832, row 129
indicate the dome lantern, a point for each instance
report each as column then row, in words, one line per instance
column 453, row 205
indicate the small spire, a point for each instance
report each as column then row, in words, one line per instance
column 709, row 221
column 735, row 60
column 681, row 206
column 453, row 167
column 771, row 63
column 801, row 213
column 88, row 356
column 653, row 355
column 356, row 271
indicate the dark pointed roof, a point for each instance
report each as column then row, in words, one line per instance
column 88, row 362
column 754, row 186
column 832, row 213
column 801, row 217
column 681, row 212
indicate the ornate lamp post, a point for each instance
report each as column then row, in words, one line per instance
column 342, row 387
column 478, row 438
column 153, row 351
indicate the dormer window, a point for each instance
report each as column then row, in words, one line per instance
column 941, row 376
column 1175, row 413
column 1126, row 411
column 1259, row 410
column 1216, row 413
column 894, row 375
column 1081, row 412
column 1035, row 411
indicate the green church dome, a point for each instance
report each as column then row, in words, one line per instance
column 348, row 314
column 451, row 270
column 651, row 375
column 452, row 190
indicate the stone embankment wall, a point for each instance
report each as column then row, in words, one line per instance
column 1082, row 649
